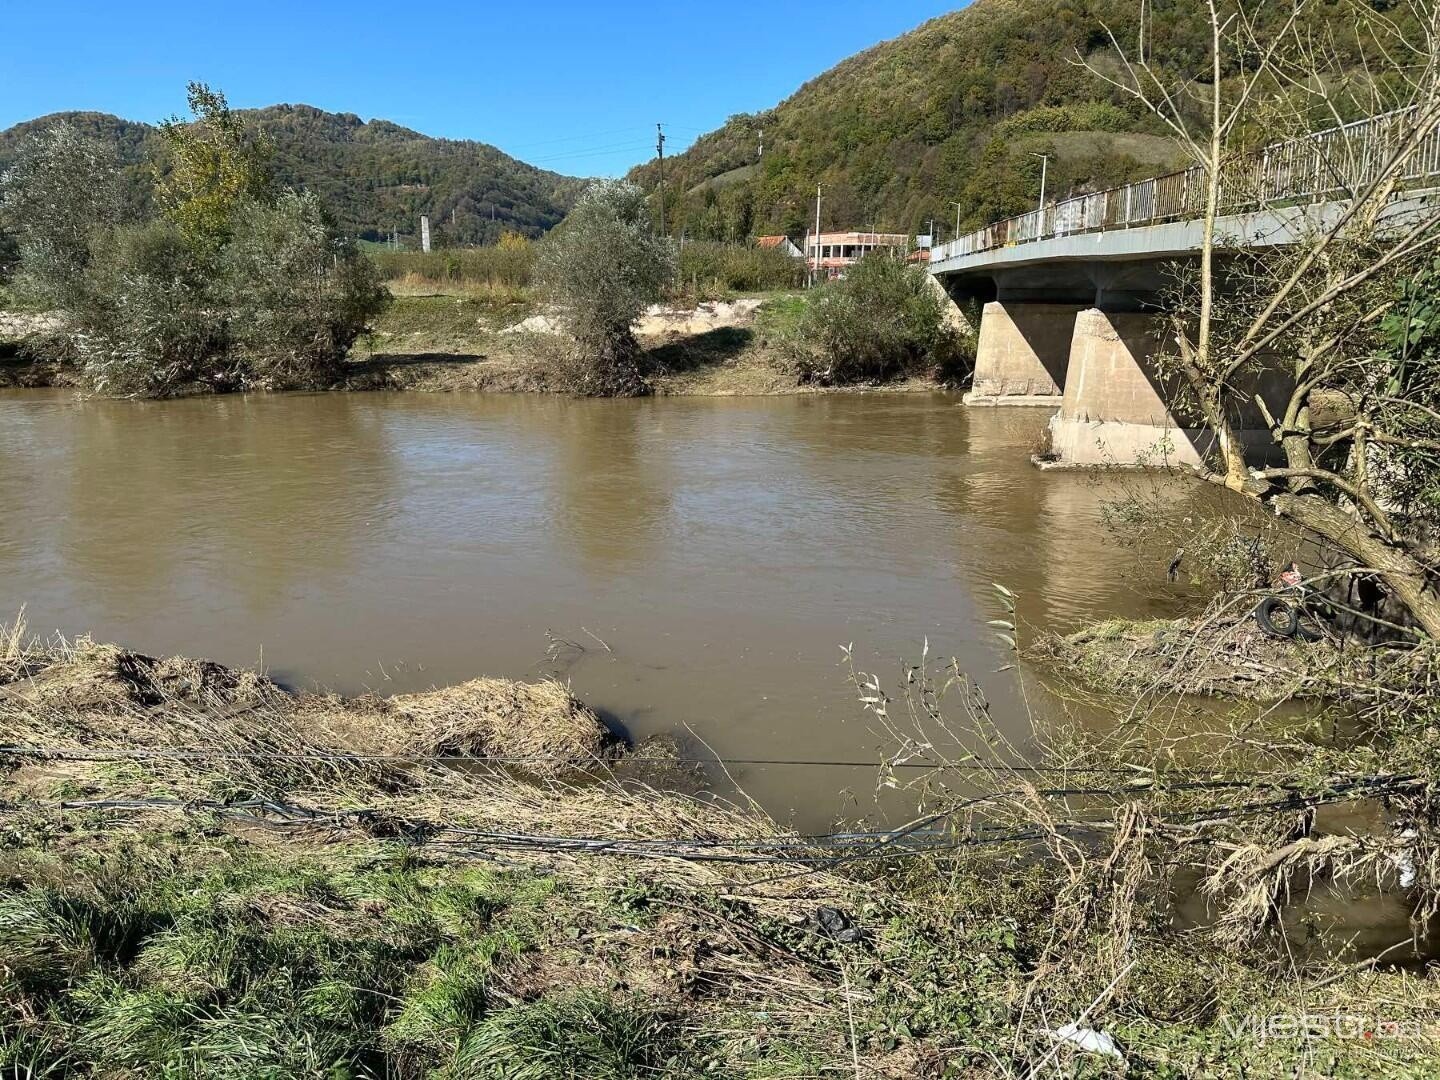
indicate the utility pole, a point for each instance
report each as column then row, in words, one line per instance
column 1044, row 167
column 660, row 157
column 957, row 219
column 761, row 155
column 816, row 275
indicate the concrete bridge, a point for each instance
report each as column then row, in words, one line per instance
column 1073, row 294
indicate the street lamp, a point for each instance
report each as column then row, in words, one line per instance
column 1044, row 167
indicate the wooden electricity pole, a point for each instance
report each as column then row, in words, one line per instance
column 815, row 278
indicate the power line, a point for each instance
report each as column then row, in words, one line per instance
column 185, row 754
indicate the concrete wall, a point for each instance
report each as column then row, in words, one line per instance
column 949, row 309
column 1022, row 353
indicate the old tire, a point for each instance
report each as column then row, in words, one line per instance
column 1277, row 617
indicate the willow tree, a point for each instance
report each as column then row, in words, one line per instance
column 600, row 269
column 1318, row 263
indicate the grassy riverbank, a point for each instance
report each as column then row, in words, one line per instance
column 455, row 338
column 206, row 875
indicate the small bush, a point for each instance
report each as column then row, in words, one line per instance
column 298, row 295
column 144, row 324
column 884, row 320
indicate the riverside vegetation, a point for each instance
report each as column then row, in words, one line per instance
column 207, row 875
column 234, row 284
column 238, row 285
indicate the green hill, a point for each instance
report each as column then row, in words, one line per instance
column 951, row 112
column 374, row 176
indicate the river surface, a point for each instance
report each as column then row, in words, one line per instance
column 723, row 550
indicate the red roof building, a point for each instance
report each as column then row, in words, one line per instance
column 780, row 243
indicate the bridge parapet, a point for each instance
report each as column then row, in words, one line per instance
column 1312, row 168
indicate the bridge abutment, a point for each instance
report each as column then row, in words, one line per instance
column 1114, row 412
column 1022, row 353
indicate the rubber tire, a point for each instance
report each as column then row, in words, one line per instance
column 1264, row 615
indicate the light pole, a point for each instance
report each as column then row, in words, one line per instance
column 1044, row 167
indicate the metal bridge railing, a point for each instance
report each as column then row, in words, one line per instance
column 1313, row 166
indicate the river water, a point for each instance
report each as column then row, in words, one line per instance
column 723, row 550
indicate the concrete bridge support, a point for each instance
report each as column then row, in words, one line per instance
column 1113, row 411
column 1022, row 353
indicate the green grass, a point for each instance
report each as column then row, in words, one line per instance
column 182, row 954
column 174, row 958
column 780, row 316
column 448, row 324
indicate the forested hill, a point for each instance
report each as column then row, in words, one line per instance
column 950, row 112
column 374, row 176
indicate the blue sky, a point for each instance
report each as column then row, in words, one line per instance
column 570, row 85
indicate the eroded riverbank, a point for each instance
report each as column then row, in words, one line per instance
column 211, row 869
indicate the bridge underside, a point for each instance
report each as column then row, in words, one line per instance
column 1073, row 321
column 1088, row 339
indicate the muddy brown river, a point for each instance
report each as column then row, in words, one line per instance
column 723, row 550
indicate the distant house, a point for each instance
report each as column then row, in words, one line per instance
column 833, row 253
column 782, row 244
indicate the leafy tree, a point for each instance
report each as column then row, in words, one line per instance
column 1341, row 323
column 601, row 269
column 213, row 165
column 63, row 188
column 235, row 286
column 146, row 323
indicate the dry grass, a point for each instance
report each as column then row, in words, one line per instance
column 487, row 755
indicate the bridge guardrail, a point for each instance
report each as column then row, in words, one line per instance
column 1321, row 163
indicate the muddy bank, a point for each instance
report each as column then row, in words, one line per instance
column 85, row 696
column 456, row 343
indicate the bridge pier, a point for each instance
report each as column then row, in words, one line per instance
column 1022, row 353
column 1113, row 411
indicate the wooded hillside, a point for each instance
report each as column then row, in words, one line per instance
column 373, row 176
column 952, row 112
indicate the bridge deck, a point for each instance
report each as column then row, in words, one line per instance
column 1267, row 198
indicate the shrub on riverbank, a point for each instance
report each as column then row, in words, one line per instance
column 237, row 285
column 883, row 321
